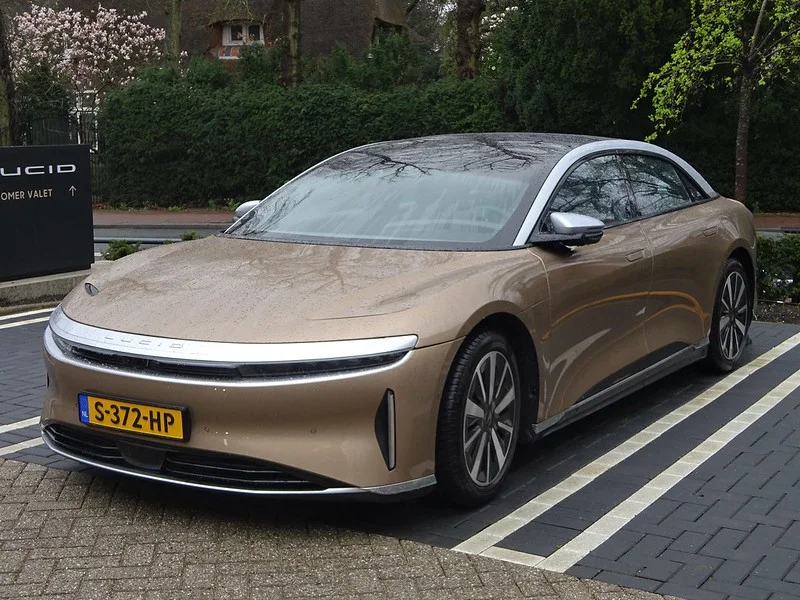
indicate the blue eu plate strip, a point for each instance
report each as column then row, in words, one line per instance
column 83, row 405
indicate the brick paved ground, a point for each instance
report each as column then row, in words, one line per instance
column 21, row 373
column 730, row 529
column 91, row 529
column 76, row 535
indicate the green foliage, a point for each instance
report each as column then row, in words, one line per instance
column 779, row 268
column 339, row 68
column 40, row 94
column 207, row 74
column 706, row 138
column 188, row 236
column 119, row 248
column 172, row 142
column 393, row 60
column 576, row 66
column 258, row 64
column 726, row 41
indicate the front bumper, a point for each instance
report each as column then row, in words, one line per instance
column 323, row 432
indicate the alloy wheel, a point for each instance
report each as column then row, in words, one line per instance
column 733, row 316
column 489, row 416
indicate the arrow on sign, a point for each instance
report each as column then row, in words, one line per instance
column 72, row 190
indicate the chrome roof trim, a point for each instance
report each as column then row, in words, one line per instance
column 189, row 351
column 382, row 490
column 573, row 156
column 52, row 349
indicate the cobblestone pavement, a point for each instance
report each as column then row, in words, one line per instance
column 77, row 535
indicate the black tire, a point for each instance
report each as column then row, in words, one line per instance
column 455, row 483
column 725, row 352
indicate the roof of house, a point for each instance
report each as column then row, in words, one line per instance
column 390, row 11
column 243, row 10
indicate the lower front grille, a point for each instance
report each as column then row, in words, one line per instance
column 209, row 468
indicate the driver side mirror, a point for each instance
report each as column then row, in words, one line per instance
column 245, row 208
column 573, row 229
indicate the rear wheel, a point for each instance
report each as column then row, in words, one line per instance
column 731, row 320
column 479, row 420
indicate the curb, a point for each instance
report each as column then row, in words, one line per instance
column 44, row 290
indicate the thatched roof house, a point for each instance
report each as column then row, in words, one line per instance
column 352, row 23
column 324, row 23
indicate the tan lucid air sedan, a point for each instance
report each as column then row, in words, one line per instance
column 400, row 317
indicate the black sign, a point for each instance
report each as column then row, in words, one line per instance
column 45, row 211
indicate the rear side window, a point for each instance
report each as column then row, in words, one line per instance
column 596, row 189
column 657, row 185
column 695, row 193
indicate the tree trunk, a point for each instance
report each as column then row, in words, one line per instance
column 743, row 134
column 9, row 127
column 174, row 23
column 468, row 37
column 293, row 42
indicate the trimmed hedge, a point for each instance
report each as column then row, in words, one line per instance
column 204, row 137
column 779, row 268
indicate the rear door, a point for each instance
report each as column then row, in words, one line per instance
column 681, row 227
column 597, row 292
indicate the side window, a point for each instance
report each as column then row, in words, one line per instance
column 596, row 189
column 695, row 193
column 657, row 185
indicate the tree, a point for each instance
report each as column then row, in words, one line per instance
column 468, row 37
column 293, row 42
column 8, row 115
column 172, row 8
column 425, row 20
column 86, row 53
column 575, row 66
column 738, row 44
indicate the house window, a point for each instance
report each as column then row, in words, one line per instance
column 243, row 33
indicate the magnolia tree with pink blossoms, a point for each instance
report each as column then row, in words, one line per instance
column 86, row 53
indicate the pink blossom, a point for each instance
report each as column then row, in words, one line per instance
column 89, row 53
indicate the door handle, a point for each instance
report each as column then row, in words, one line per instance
column 710, row 231
column 635, row 255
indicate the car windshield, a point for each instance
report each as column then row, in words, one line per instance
column 390, row 204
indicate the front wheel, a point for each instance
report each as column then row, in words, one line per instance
column 731, row 320
column 479, row 420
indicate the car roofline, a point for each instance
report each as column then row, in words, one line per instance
column 575, row 155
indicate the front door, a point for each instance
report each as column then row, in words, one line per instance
column 598, row 292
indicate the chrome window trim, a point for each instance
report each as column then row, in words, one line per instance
column 52, row 349
column 382, row 490
column 580, row 153
column 190, row 351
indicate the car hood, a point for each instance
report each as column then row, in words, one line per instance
column 234, row 290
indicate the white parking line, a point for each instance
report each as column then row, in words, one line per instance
column 5, row 451
column 19, row 425
column 494, row 533
column 26, row 314
column 577, row 548
column 21, row 323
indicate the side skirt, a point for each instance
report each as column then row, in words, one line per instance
column 666, row 366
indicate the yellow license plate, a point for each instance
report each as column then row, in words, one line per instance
column 121, row 415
